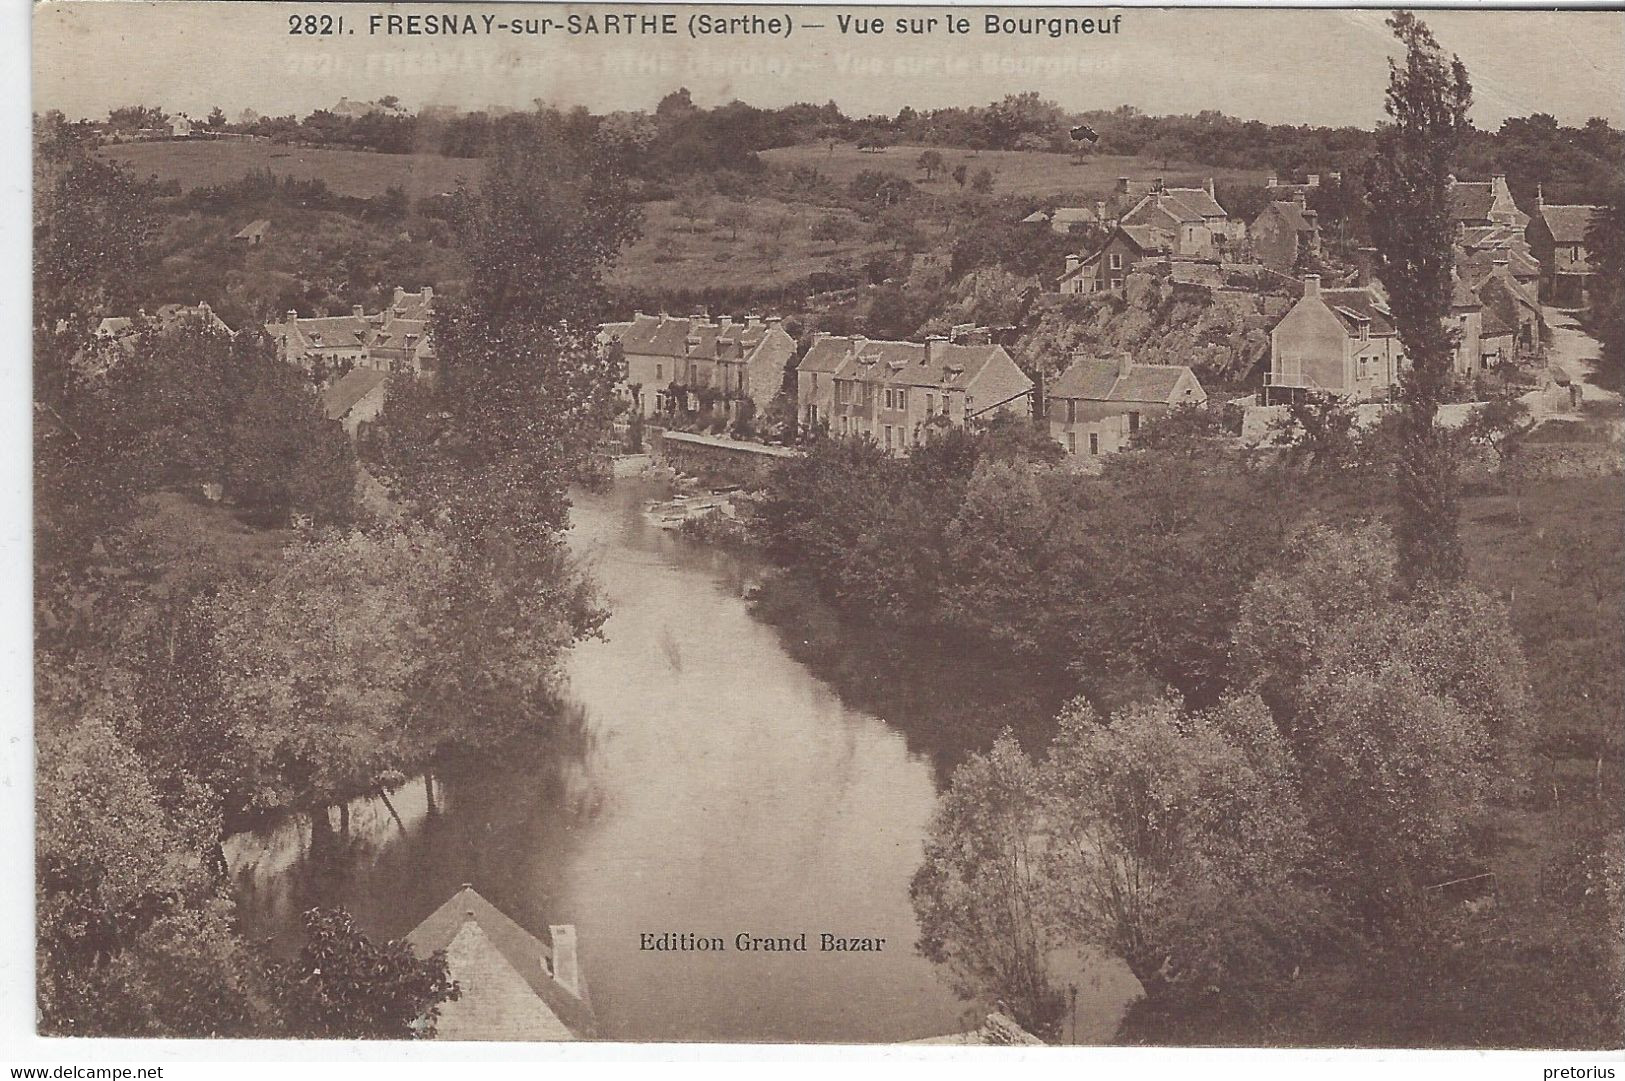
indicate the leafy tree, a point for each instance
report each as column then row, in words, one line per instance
column 961, row 174
column 1410, row 213
column 930, row 162
column 1402, row 750
column 344, row 986
column 1177, row 843
column 217, row 118
column 979, row 894
column 982, row 182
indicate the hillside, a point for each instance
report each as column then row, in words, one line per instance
column 1222, row 336
column 1015, row 172
column 358, row 173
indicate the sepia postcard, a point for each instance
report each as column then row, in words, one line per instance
column 821, row 524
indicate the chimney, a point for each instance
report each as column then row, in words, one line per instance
column 1501, row 258
column 753, row 320
column 637, row 314
column 1124, row 363
column 292, row 315
column 357, row 311
column 1335, row 176
column 1270, row 181
column 1301, row 198
column 1156, row 185
column 564, row 968
column 400, row 294
column 1314, row 180
column 1208, row 185
column 772, row 321
column 1100, row 211
column 1072, row 262
column 725, row 320
column 1122, row 184
column 933, row 349
column 1311, row 285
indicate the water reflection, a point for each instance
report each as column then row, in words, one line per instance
column 705, row 781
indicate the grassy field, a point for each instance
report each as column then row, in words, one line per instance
column 347, row 172
column 731, row 244
column 1015, row 172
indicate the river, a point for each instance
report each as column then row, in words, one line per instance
column 711, row 783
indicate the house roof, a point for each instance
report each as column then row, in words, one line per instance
column 1097, row 379
column 1462, row 295
column 904, row 363
column 1147, row 238
column 1174, row 205
column 485, row 951
column 342, row 396
column 1293, row 214
column 1492, row 325
column 1568, row 224
column 656, row 335
column 1353, row 306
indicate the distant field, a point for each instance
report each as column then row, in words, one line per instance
column 347, row 172
column 676, row 253
column 1015, row 172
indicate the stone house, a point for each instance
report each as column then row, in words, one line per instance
column 1285, row 232
column 1557, row 240
column 1511, row 304
column 1107, row 268
column 739, row 359
column 1196, row 225
column 1094, row 406
column 894, row 392
column 395, row 339
column 513, row 985
column 1334, row 341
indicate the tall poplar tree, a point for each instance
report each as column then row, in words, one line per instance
column 1410, row 211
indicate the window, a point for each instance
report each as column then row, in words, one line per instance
column 1133, row 423
column 659, row 372
column 888, row 397
column 1117, row 283
column 1072, row 442
column 888, row 437
column 1072, row 411
column 1094, row 443
column 930, row 404
column 902, row 398
column 844, row 419
column 1117, row 260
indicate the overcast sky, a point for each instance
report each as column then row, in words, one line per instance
column 1301, row 66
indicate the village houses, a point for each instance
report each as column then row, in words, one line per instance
column 894, row 391
column 1097, row 404
column 664, row 357
column 1160, row 223
column 396, row 339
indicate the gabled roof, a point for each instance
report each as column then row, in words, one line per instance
column 656, row 335
column 1097, row 379
column 1147, row 238
column 1353, row 306
column 901, row 363
column 1174, row 205
column 1293, row 214
column 342, row 396
column 1568, row 224
column 486, row 948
